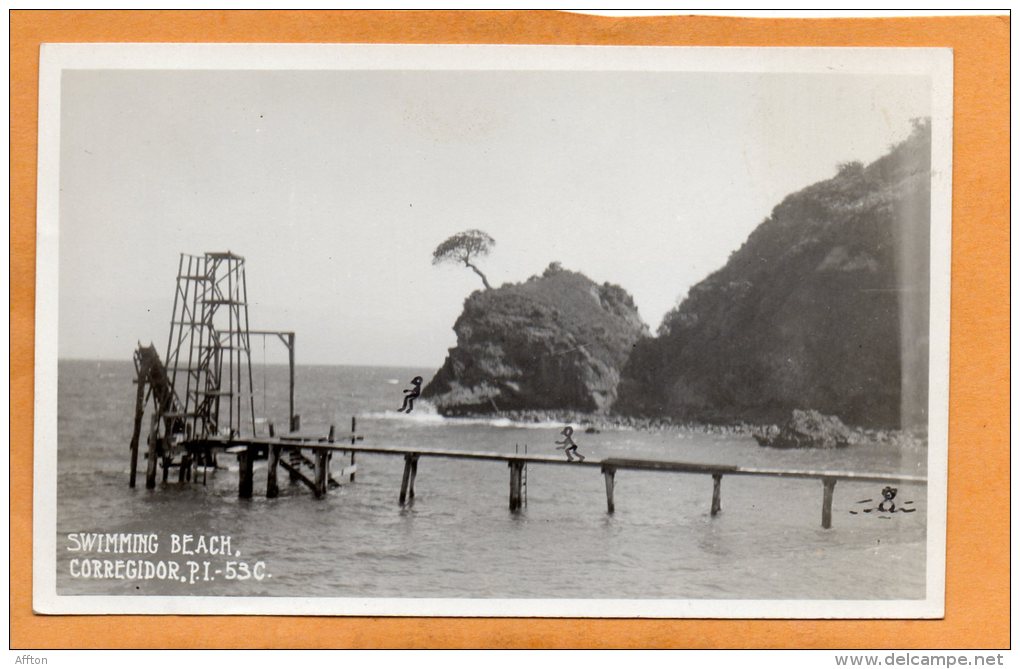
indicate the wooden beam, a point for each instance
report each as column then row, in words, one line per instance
column 150, row 466
column 414, row 474
column 828, row 484
column 405, row 480
column 246, row 474
column 716, row 494
column 137, row 433
column 515, row 484
column 272, row 487
column 354, row 441
column 321, row 472
column 297, row 475
column 295, row 420
column 609, row 473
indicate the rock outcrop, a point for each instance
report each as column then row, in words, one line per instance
column 557, row 341
column 808, row 429
column 824, row 306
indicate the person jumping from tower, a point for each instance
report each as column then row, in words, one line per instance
column 410, row 395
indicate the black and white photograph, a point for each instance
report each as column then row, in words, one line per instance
column 492, row 330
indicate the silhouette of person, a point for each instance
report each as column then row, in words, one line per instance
column 568, row 445
column 888, row 494
column 410, row 395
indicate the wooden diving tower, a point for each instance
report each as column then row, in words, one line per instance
column 204, row 390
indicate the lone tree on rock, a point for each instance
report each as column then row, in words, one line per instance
column 464, row 247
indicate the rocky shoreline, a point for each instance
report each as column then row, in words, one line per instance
column 595, row 423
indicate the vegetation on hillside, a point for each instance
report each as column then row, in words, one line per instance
column 825, row 306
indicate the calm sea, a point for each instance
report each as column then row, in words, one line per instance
column 459, row 539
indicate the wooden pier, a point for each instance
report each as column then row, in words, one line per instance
column 319, row 480
column 203, row 400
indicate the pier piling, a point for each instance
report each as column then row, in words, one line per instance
column 609, row 473
column 414, row 475
column 321, row 472
column 406, row 479
column 294, row 460
column 716, row 494
column 136, row 434
column 828, row 484
column 150, row 464
column 354, row 441
column 516, row 468
column 246, row 473
column 272, row 487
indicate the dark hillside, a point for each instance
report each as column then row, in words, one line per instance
column 825, row 307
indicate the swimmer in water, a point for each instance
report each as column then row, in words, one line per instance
column 888, row 495
column 410, row 395
column 568, row 445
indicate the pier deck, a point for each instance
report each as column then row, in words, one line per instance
column 250, row 449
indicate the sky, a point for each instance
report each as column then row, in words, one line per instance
column 336, row 186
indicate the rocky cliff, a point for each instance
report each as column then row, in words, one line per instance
column 557, row 341
column 825, row 306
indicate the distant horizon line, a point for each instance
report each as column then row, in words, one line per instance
column 257, row 363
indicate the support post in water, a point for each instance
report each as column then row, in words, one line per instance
column 295, row 421
column 137, row 433
column 246, row 474
column 609, row 473
column 182, row 470
column 354, row 440
column 716, row 494
column 272, row 487
column 294, row 456
column 321, row 472
column 515, row 484
column 150, row 466
column 405, row 480
column 828, row 484
column 414, row 474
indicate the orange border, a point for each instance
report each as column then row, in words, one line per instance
column 977, row 603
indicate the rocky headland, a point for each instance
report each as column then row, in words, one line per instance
column 554, row 342
column 813, row 334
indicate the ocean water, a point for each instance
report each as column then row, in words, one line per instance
column 459, row 539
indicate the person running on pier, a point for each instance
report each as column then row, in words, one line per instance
column 568, row 445
column 410, row 395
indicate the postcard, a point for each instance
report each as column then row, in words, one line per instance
column 492, row 330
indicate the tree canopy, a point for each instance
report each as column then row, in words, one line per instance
column 464, row 248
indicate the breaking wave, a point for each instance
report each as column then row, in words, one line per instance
column 425, row 414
